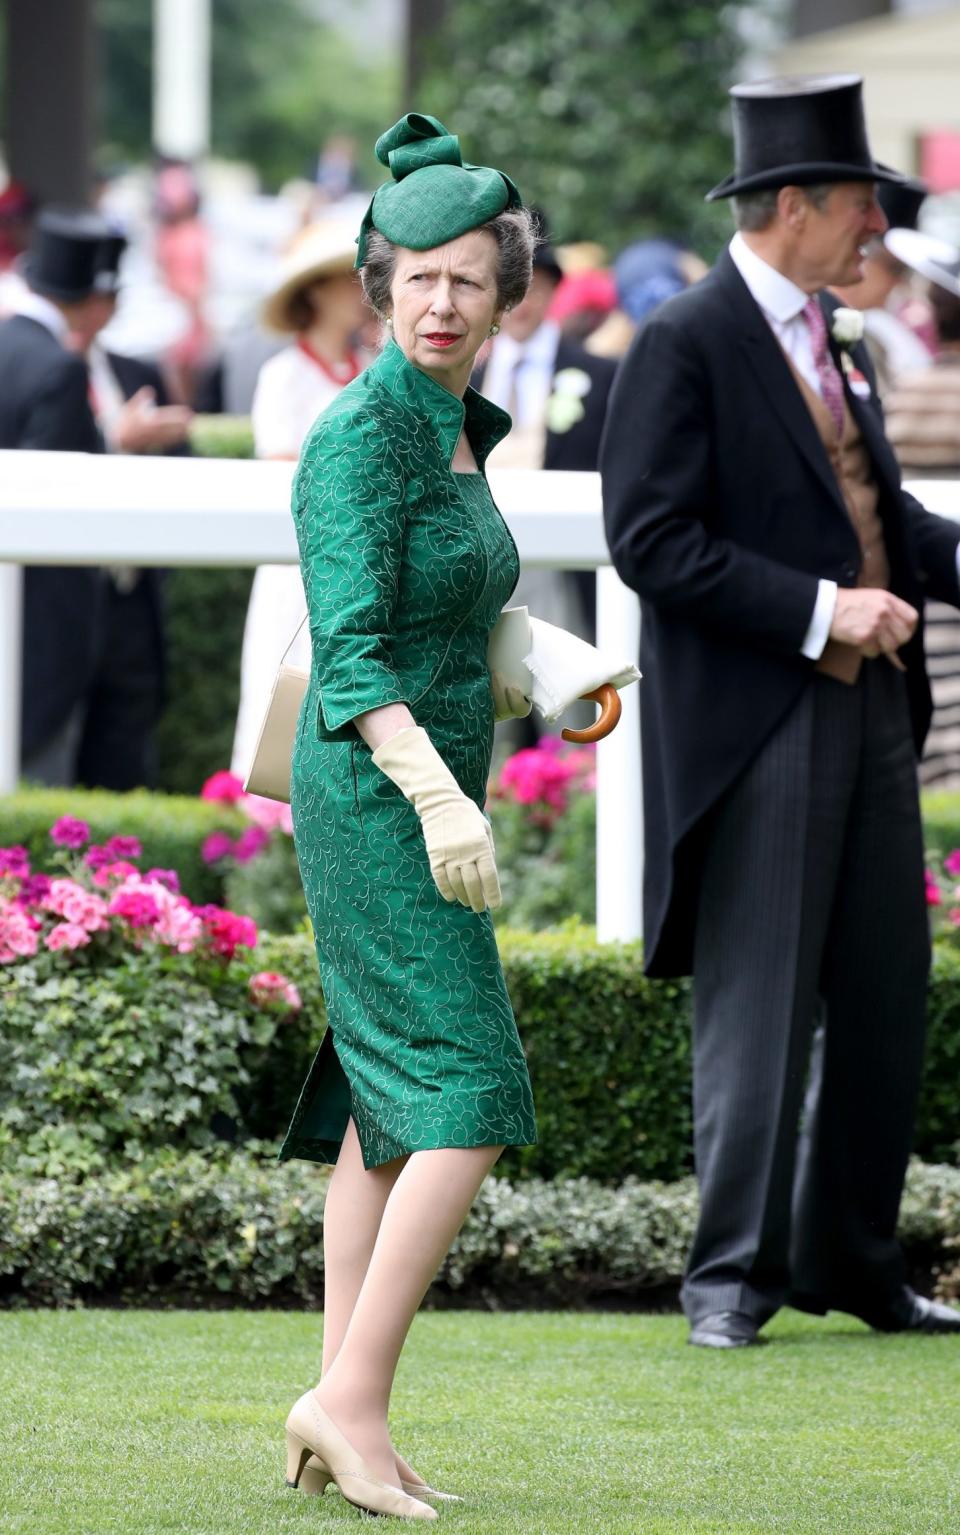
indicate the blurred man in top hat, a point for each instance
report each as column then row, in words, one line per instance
column 557, row 394
column 45, row 404
column 755, row 505
column 123, row 701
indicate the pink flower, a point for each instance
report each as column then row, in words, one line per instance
column 114, row 872
column 267, row 813
column 225, row 787
column 218, row 845
column 226, row 931
column 178, row 927
column 79, row 907
column 135, row 906
column 67, row 935
column 934, row 897
column 250, row 843
column 953, row 916
column 169, row 878
column 124, row 847
column 69, row 832
column 952, row 862
column 537, row 775
column 97, row 857
column 15, row 861
column 18, row 935
column 268, row 987
column 34, row 890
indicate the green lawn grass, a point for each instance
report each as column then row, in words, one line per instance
column 137, row 1423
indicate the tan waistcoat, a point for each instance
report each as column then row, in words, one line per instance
column 853, row 468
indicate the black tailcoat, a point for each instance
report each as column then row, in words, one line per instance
column 722, row 512
column 44, row 404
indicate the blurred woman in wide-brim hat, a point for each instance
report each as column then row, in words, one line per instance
column 317, row 300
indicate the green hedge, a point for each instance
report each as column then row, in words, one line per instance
column 941, row 820
column 189, row 1229
column 171, row 828
column 609, row 1057
column 206, row 610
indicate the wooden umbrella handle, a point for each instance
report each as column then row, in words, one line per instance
column 610, row 710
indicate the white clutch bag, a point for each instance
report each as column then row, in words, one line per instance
column 269, row 773
column 554, row 668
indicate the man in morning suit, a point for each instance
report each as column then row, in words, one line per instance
column 753, row 502
column 123, row 703
column 45, row 404
column 557, row 394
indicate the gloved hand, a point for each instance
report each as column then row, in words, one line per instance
column 509, row 701
column 458, row 837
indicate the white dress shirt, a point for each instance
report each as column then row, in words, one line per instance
column 519, row 375
column 783, row 303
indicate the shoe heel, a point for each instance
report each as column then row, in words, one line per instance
column 298, row 1454
column 314, row 1479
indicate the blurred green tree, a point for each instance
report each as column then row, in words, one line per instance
column 284, row 79
column 612, row 115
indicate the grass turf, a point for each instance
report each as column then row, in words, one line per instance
column 144, row 1423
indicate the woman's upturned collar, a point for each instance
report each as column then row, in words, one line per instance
column 442, row 411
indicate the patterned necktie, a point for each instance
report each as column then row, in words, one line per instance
column 831, row 383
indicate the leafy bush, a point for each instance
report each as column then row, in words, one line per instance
column 221, row 437
column 206, row 612
column 941, row 820
column 188, row 1228
column 171, row 828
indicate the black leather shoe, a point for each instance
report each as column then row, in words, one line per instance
column 908, row 1312
column 904, row 1312
column 724, row 1329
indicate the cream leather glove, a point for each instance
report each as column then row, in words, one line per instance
column 509, row 701
column 459, row 840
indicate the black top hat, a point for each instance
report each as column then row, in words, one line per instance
column 62, row 260
column 106, row 278
column 798, row 132
column 902, row 204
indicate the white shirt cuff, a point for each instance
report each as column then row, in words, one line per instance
column 823, row 609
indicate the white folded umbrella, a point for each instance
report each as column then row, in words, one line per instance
column 550, row 666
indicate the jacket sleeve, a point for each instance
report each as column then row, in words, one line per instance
column 349, row 509
column 658, row 486
column 59, row 416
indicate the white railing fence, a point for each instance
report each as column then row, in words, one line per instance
column 79, row 509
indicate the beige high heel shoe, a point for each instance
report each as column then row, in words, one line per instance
column 315, row 1479
column 310, row 1432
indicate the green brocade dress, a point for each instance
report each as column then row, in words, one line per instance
column 406, row 567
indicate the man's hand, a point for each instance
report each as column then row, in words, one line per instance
column 142, row 426
column 876, row 622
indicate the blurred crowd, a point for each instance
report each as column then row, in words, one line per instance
column 112, row 337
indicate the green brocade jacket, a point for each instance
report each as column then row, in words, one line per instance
column 376, row 467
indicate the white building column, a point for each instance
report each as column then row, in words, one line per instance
column 181, row 78
column 619, row 796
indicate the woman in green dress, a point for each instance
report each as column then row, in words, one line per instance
column 421, row 1080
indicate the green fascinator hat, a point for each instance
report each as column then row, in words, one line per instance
column 434, row 196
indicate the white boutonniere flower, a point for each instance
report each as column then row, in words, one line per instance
column 565, row 405
column 846, row 327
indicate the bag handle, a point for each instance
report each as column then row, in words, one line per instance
column 296, row 636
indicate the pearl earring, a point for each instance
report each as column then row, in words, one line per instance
column 494, row 330
column 388, row 322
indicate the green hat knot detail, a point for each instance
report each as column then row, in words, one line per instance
column 434, row 196
column 417, row 141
